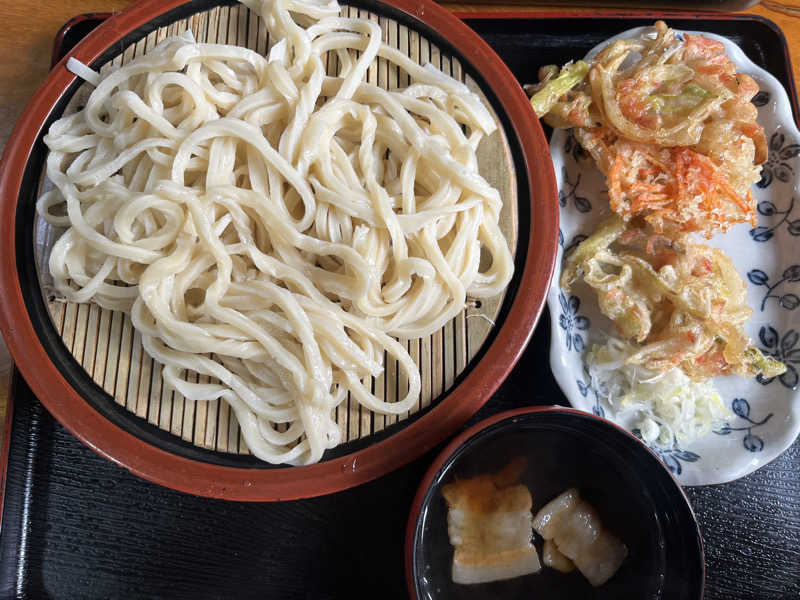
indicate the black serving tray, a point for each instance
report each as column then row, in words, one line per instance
column 77, row 526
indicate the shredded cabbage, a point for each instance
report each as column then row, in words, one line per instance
column 664, row 406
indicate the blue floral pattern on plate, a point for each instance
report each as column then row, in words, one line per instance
column 572, row 147
column 750, row 441
column 783, row 349
column 765, row 416
column 585, row 386
column 779, row 163
column 570, row 192
column 788, row 301
column 761, row 98
column 672, row 456
column 767, row 208
column 571, row 322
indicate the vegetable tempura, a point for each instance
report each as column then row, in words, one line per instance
column 670, row 123
column 683, row 302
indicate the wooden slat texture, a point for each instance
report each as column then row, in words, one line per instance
column 105, row 343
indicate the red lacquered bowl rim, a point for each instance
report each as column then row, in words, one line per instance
column 464, row 436
column 252, row 484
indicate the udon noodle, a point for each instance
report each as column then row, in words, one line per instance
column 273, row 226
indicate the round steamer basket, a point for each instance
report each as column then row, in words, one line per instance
column 87, row 366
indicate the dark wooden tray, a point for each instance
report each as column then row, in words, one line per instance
column 76, row 526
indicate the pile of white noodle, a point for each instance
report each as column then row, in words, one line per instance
column 270, row 226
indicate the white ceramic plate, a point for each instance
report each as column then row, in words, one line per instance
column 765, row 414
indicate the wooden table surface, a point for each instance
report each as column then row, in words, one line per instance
column 29, row 29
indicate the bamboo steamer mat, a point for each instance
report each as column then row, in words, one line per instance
column 105, row 344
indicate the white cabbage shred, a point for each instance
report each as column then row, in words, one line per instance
column 664, row 407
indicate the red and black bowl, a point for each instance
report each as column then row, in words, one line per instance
column 636, row 497
column 93, row 416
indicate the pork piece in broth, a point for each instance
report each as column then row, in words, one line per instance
column 574, row 526
column 489, row 524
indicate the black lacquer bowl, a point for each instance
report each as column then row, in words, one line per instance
column 636, row 496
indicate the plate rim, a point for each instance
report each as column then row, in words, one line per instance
column 249, row 484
